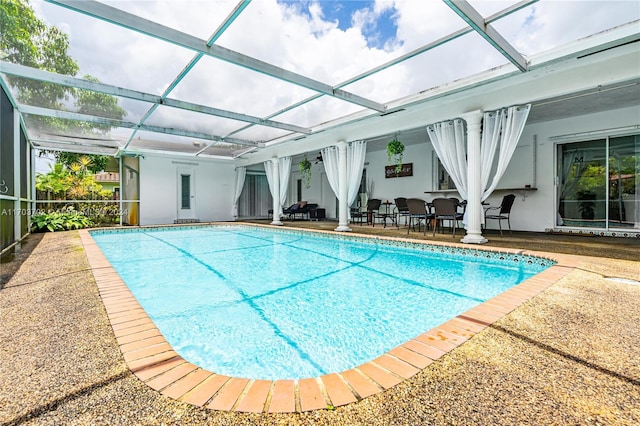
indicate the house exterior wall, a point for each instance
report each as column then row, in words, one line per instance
column 538, row 211
column 213, row 189
column 533, row 210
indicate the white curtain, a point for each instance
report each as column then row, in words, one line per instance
column 330, row 162
column 268, row 171
column 241, row 172
column 500, row 129
column 355, row 164
column 491, row 125
column 356, row 152
column 285, row 172
column 284, row 167
column 449, row 141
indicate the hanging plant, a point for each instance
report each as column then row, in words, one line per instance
column 395, row 150
column 305, row 169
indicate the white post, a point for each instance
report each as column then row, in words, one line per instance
column 276, row 192
column 343, row 189
column 474, row 184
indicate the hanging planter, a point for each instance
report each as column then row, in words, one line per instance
column 395, row 150
column 305, row 169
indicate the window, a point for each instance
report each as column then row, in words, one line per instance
column 442, row 181
column 186, row 191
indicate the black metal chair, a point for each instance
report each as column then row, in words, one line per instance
column 504, row 212
column 357, row 215
column 402, row 210
column 445, row 209
column 418, row 212
column 459, row 204
column 373, row 210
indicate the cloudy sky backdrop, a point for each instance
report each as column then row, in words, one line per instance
column 330, row 41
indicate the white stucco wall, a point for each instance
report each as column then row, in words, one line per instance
column 213, row 186
column 538, row 211
column 532, row 210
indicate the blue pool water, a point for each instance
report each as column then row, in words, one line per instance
column 268, row 304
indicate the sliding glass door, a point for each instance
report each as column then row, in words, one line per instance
column 600, row 183
column 624, row 182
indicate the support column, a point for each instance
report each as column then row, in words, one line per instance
column 121, row 181
column 17, row 175
column 343, row 208
column 276, row 192
column 474, row 177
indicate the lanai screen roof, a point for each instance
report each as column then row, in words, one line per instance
column 222, row 78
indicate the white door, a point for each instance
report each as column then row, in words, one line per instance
column 186, row 193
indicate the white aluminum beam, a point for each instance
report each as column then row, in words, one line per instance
column 478, row 23
column 46, row 112
column 69, row 81
column 192, row 63
column 161, row 32
column 445, row 39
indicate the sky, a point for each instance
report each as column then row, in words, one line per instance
column 330, row 41
column 376, row 20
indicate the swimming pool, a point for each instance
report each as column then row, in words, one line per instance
column 277, row 304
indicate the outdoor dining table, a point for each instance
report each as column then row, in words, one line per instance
column 388, row 213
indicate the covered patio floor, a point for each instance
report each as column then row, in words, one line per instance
column 568, row 356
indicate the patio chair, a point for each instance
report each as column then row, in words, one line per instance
column 402, row 210
column 357, row 215
column 373, row 210
column 445, row 209
column 463, row 204
column 504, row 212
column 417, row 209
column 291, row 210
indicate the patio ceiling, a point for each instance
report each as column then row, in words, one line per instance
column 227, row 94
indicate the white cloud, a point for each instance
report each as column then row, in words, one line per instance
column 310, row 44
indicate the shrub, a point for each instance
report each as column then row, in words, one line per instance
column 62, row 220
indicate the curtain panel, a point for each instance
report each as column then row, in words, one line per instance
column 501, row 131
column 356, row 152
column 241, row 172
column 449, row 141
column 284, row 168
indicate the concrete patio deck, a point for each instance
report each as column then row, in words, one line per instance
column 569, row 355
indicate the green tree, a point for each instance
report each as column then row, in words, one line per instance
column 26, row 40
column 75, row 181
column 98, row 162
column 55, row 183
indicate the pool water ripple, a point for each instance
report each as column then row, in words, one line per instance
column 250, row 302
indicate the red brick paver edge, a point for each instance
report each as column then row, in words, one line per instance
column 150, row 357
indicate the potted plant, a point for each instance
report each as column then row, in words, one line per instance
column 305, row 169
column 395, row 150
column 586, row 204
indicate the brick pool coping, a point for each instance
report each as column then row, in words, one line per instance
column 152, row 359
